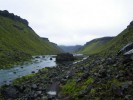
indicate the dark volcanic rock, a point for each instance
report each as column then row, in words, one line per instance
column 130, row 26
column 10, row 92
column 64, row 57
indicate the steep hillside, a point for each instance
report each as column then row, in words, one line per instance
column 70, row 49
column 18, row 41
column 90, row 47
column 112, row 47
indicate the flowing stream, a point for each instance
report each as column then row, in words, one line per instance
column 38, row 62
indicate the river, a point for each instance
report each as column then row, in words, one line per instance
column 38, row 62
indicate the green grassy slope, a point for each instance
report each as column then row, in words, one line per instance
column 90, row 47
column 18, row 41
column 111, row 47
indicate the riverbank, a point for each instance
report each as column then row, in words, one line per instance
column 96, row 77
column 37, row 63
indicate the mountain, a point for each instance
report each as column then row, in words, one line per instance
column 110, row 46
column 106, row 75
column 70, row 49
column 90, row 47
column 113, row 46
column 18, row 41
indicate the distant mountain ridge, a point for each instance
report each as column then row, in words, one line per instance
column 18, row 41
column 70, row 49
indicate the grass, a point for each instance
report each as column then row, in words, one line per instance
column 19, row 42
column 111, row 47
column 22, row 79
column 72, row 88
column 91, row 46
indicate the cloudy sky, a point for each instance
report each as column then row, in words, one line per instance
column 71, row 22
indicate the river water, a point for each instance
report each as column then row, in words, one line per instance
column 38, row 62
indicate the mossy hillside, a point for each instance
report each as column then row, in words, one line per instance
column 91, row 46
column 18, row 36
column 111, row 47
column 18, row 42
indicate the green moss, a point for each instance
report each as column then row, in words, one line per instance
column 22, row 79
column 89, row 81
column 72, row 88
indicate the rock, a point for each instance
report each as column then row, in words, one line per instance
column 109, row 60
column 10, row 92
column 127, row 97
column 125, row 85
column 14, row 72
column 78, row 80
column 126, row 48
column 117, row 90
column 129, row 54
column 44, row 98
column 84, row 92
column 50, row 58
column 130, row 26
column 43, row 56
column 33, row 72
column 34, row 86
column 102, row 73
column 64, row 57
column 37, row 57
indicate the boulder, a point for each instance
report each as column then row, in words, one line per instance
column 64, row 57
column 10, row 92
column 34, row 86
column 126, row 48
column 84, row 92
column 130, row 26
column 129, row 54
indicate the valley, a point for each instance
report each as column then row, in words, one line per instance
column 101, row 70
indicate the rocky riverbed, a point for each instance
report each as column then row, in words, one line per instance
column 97, row 77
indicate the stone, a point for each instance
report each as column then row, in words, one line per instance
column 10, row 92
column 125, row 85
column 34, row 86
column 44, row 98
column 64, row 57
column 130, row 26
column 84, row 92
column 127, row 97
column 116, row 90
column 33, row 72
column 126, row 48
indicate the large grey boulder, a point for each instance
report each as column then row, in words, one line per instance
column 126, row 48
column 64, row 57
column 129, row 54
